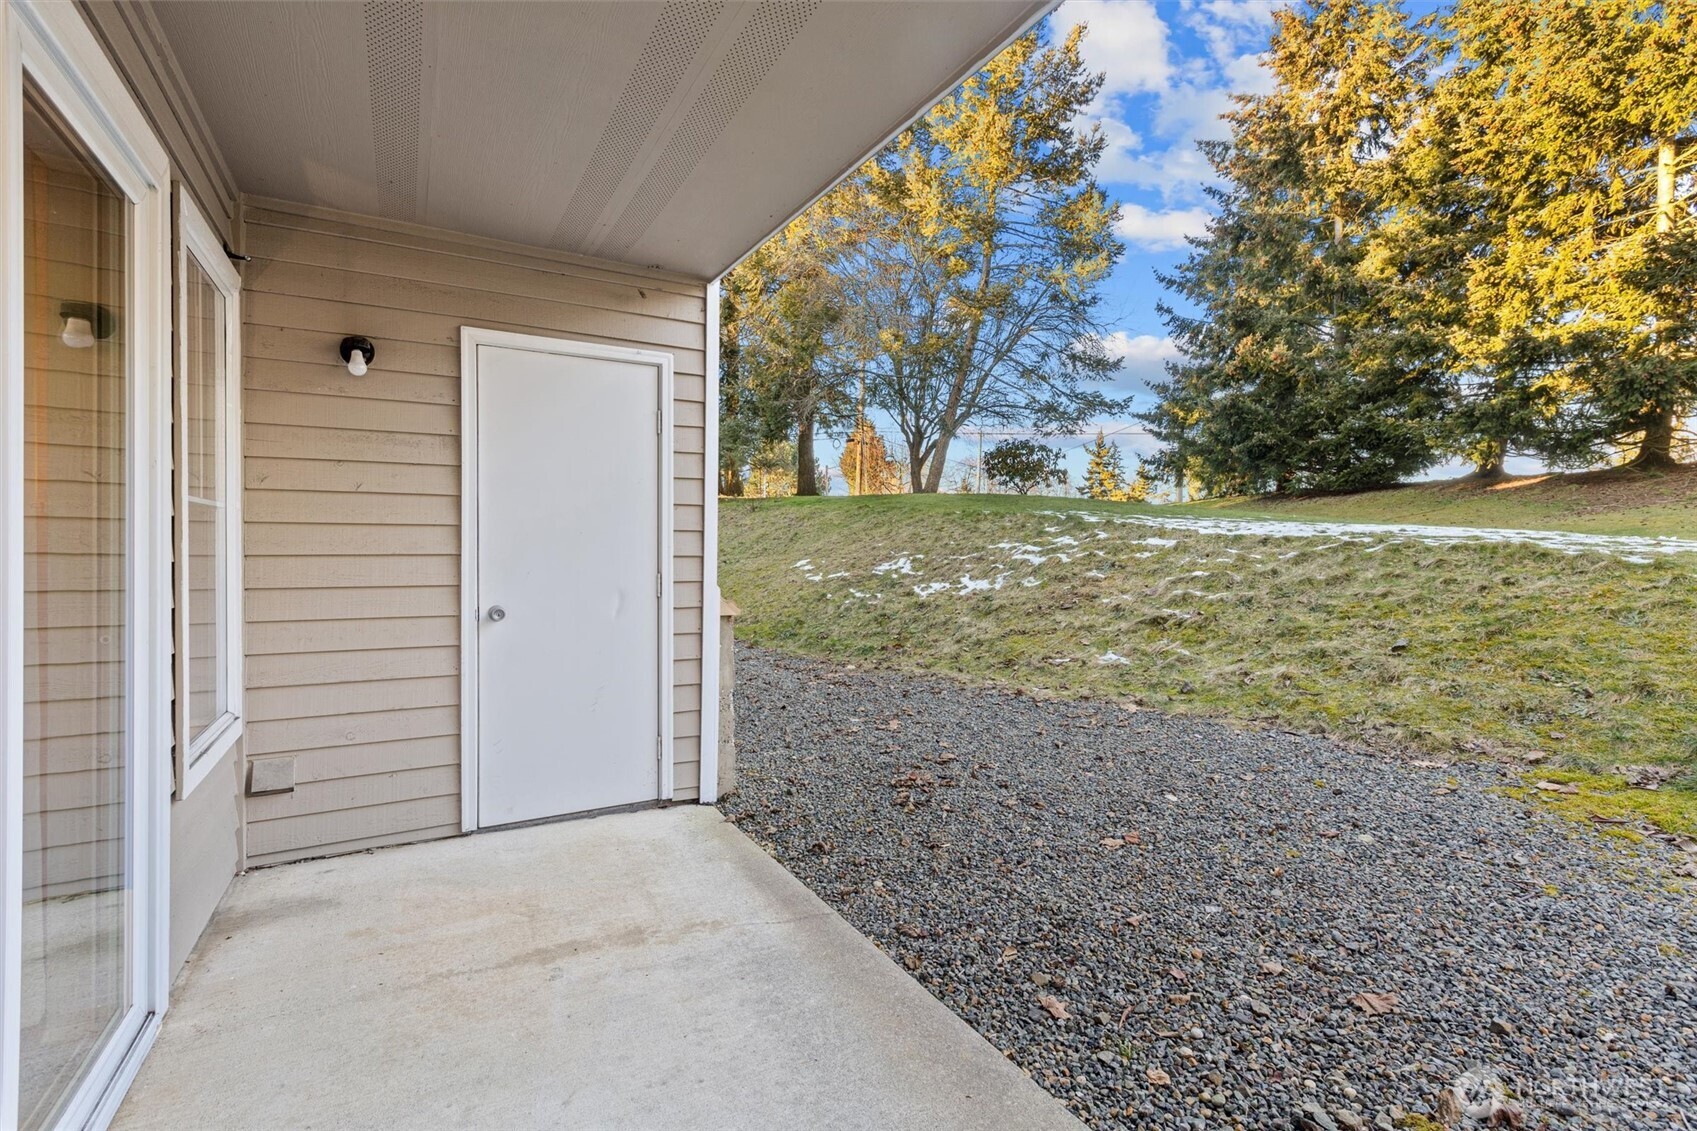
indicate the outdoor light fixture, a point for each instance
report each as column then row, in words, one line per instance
column 85, row 324
column 358, row 353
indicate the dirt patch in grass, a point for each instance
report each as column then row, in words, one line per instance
column 1578, row 661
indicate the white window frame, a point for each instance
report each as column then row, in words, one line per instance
column 196, row 239
column 51, row 44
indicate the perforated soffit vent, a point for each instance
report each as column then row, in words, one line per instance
column 761, row 42
column 672, row 45
column 394, row 48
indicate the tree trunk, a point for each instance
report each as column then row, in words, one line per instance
column 1656, row 450
column 915, row 468
column 934, row 474
column 1488, row 467
column 806, row 469
column 730, row 482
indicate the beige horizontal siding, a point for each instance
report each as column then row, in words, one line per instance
column 205, row 828
column 352, row 508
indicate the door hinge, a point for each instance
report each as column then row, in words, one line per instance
column 659, row 422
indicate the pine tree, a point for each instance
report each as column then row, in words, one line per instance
column 1104, row 473
column 1578, row 252
column 866, row 465
column 1295, row 374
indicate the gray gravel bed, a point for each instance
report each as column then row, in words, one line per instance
column 1171, row 923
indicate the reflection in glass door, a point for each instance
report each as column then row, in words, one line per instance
column 77, row 800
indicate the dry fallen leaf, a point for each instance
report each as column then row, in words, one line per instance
column 1111, row 842
column 1271, row 966
column 1374, row 1004
column 1157, row 1077
column 1177, row 975
column 1008, row 952
column 1558, row 787
column 1054, row 1007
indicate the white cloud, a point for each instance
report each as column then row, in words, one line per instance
column 1179, row 98
column 1227, row 26
column 1127, row 41
column 1139, row 350
column 1143, row 360
column 1149, row 230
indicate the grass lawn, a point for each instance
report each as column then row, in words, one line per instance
column 1584, row 662
column 1597, row 502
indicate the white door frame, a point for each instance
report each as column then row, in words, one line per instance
column 471, row 338
column 50, row 42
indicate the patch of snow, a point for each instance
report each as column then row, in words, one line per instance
column 902, row 565
column 834, row 576
column 930, row 587
column 1623, row 546
column 1111, row 657
column 805, row 563
column 1029, row 582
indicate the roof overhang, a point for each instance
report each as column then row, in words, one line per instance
column 675, row 135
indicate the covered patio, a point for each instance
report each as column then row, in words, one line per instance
column 649, row 969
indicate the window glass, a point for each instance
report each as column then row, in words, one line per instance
column 207, row 568
column 76, row 886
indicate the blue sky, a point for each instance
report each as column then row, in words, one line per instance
column 1171, row 70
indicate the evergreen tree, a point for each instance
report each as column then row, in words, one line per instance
column 1295, row 373
column 1577, row 251
column 1104, row 469
column 866, row 465
column 790, row 353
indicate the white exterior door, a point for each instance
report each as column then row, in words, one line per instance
column 568, row 547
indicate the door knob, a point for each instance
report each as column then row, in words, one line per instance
column 496, row 612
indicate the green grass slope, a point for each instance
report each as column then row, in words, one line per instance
column 1582, row 662
column 1599, row 502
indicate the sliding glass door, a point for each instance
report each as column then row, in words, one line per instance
column 85, row 568
column 76, row 884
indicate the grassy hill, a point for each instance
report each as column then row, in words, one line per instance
column 1580, row 663
column 1598, row 502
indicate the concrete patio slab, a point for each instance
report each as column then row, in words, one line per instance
column 643, row 970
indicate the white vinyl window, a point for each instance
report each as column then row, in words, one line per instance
column 208, row 402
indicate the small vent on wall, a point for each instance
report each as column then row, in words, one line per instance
column 394, row 51
column 666, row 57
column 762, row 41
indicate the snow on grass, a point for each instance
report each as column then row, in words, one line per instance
column 902, row 565
column 1026, row 559
column 1627, row 547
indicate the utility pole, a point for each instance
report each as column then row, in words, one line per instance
column 860, row 439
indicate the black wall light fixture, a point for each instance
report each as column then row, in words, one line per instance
column 358, row 353
column 85, row 323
